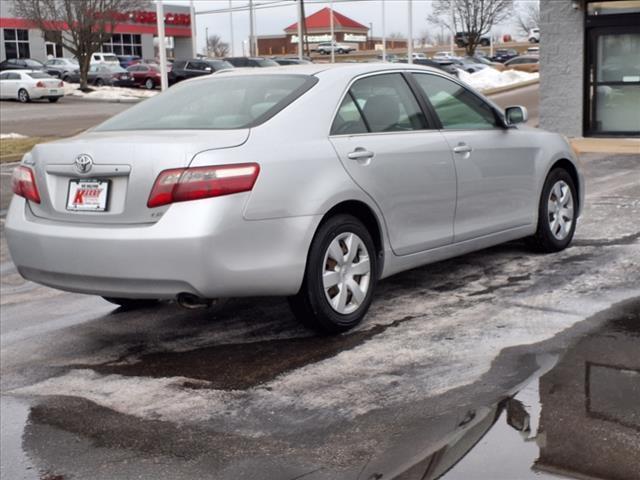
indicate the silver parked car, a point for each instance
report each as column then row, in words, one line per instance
column 310, row 181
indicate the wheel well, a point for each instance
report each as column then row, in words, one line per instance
column 363, row 213
column 570, row 168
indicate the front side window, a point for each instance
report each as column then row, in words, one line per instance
column 456, row 107
column 219, row 102
column 387, row 104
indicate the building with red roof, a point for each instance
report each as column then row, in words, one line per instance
column 318, row 30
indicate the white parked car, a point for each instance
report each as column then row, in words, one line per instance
column 326, row 47
column 27, row 85
column 418, row 55
column 108, row 58
column 444, row 56
column 534, row 35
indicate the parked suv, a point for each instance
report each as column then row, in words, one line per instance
column 462, row 40
column 251, row 62
column 196, row 67
column 326, row 47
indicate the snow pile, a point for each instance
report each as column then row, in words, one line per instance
column 488, row 78
column 109, row 93
column 4, row 136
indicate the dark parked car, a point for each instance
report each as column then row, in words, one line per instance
column 145, row 75
column 504, row 54
column 196, row 67
column 21, row 64
column 61, row 68
column 241, row 62
column 128, row 60
column 291, row 61
column 444, row 65
column 105, row 74
column 462, row 39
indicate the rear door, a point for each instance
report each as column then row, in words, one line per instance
column 382, row 137
column 495, row 165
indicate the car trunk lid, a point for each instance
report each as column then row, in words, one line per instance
column 115, row 171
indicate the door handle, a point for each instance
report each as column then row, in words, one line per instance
column 462, row 148
column 360, row 154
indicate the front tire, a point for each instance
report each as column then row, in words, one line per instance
column 131, row 303
column 149, row 84
column 340, row 277
column 557, row 213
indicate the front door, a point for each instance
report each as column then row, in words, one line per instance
column 495, row 166
column 381, row 136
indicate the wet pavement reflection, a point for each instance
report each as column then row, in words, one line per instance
column 548, row 412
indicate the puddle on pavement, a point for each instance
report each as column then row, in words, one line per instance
column 577, row 418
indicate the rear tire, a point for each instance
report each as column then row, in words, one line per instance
column 23, row 96
column 557, row 213
column 131, row 303
column 99, row 82
column 149, row 84
column 340, row 277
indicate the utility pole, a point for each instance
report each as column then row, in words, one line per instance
column 384, row 35
column 231, row 28
column 410, row 39
column 333, row 37
column 194, row 37
column 252, row 52
column 300, row 39
column 304, row 28
column 453, row 28
column 162, row 46
column 206, row 33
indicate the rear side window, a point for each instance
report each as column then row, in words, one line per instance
column 387, row 104
column 219, row 102
column 348, row 120
column 456, row 107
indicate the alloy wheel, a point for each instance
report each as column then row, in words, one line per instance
column 347, row 273
column 560, row 210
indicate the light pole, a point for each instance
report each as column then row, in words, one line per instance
column 333, row 52
column 231, row 27
column 300, row 39
column 194, row 37
column 410, row 39
column 162, row 45
column 206, row 34
column 251, row 32
column 384, row 35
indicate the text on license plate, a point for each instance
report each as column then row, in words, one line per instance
column 88, row 195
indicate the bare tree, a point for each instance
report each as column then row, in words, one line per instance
column 397, row 36
column 87, row 24
column 528, row 16
column 216, row 46
column 426, row 38
column 473, row 17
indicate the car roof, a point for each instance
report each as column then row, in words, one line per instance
column 348, row 70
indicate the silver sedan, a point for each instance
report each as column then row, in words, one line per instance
column 312, row 182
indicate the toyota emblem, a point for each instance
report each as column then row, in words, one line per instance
column 84, row 163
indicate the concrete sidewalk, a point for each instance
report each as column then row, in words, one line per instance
column 607, row 145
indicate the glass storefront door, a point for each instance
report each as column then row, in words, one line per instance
column 614, row 81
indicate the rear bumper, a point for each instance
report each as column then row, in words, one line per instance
column 204, row 247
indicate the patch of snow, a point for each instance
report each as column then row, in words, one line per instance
column 4, row 136
column 109, row 93
column 488, row 78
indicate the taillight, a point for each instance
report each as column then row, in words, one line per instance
column 40, row 85
column 23, row 183
column 184, row 184
column 61, row 84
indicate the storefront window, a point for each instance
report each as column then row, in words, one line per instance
column 618, row 83
column 16, row 43
column 124, row 44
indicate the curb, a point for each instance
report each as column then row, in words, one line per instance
column 508, row 88
column 106, row 100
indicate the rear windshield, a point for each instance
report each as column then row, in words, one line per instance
column 265, row 62
column 39, row 75
column 217, row 103
column 219, row 64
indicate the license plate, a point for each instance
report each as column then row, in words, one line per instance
column 88, row 195
column 124, row 77
column 53, row 91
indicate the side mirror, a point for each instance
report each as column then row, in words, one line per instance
column 516, row 114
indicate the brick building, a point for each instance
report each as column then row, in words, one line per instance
column 346, row 31
column 589, row 70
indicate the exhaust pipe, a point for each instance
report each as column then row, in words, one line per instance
column 190, row 301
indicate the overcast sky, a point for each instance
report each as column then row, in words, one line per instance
column 280, row 14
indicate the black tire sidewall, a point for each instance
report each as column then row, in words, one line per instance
column 327, row 318
column 544, row 229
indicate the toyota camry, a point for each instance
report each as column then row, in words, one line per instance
column 312, row 182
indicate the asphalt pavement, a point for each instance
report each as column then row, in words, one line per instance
column 501, row 364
